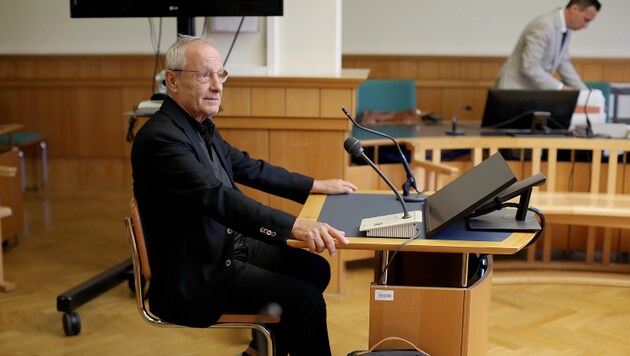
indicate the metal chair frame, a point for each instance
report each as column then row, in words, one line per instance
column 142, row 278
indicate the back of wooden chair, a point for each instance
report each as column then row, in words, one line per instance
column 142, row 278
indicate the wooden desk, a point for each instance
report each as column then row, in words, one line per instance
column 585, row 198
column 10, row 198
column 10, row 186
column 436, row 308
column 8, row 129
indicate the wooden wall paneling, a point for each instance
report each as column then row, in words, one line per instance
column 453, row 100
column 444, row 72
column 471, row 71
column 429, row 100
column 429, row 69
column 594, row 70
column 98, row 112
column 315, row 153
column 363, row 177
column 236, row 101
column 615, row 70
column 254, row 142
column 384, row 69
column 302, row 102
column 50, row 111
column 451, row 70
column 490, row 69
column 268, row 102
column 407, row 69
column 78, row 101
column 332, row 100
column 10, row 107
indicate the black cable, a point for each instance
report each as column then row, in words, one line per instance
column 380, row 279
column 132, row 123
column 238, row 30
column 510, row 120
column 156, row 48
column 589, row 127
column 588, row 132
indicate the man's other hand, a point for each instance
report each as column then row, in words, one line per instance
column 332, row 186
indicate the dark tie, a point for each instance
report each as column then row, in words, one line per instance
column 564, row 37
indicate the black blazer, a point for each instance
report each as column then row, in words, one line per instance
column 189, row 216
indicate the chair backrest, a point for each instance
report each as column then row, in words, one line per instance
column 141, row 268
column 606, row 89
column 143, row 255
column 386, row 95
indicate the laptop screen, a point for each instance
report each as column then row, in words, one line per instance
column 463, row 195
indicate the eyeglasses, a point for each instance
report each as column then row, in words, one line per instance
column 204, row 76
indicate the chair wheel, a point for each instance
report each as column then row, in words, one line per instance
column 71, row 323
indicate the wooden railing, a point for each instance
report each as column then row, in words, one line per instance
column 585, row 199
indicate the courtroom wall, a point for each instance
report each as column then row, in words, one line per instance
column 414, row 27
column 464, row 27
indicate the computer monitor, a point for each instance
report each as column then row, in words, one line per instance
column 509, row 109
column 183, row 10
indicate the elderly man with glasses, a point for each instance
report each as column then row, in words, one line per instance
column 213, row 249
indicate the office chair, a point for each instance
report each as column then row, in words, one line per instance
column 142, row 278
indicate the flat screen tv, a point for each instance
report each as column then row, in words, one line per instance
column 518, row 110
column 183, row 10
column 174, row 8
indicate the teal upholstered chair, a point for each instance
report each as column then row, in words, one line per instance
column 386, row 95
column 606, row 89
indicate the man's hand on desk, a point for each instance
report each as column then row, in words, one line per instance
column 318, row 236
column 332, row 186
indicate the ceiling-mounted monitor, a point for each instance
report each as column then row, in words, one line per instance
column 183, row 10
column 174, row 8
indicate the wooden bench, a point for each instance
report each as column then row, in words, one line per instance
column 585, row 199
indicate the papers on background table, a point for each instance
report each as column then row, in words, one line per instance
column 595, row 108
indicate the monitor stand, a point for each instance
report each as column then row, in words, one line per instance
column 504, row 220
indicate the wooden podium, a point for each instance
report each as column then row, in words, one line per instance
column 437, row 291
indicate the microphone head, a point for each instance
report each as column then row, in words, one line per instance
column 353, row 146
column 467, row 107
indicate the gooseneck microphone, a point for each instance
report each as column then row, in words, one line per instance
column 354, row 148
column 454, row 131
column 411, row 180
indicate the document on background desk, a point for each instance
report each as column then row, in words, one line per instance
column 147, row 107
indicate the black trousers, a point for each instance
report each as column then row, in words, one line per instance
column 294, row 279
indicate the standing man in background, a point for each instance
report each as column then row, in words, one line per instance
column 542, row 49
